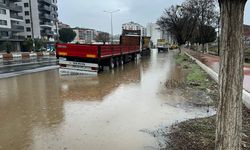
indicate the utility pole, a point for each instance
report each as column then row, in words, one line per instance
column 111, row 23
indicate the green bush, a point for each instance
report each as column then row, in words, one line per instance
column 7, row 47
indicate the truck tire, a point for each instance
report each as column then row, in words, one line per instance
column 117, row 63
column 121, row 61
column 111, row 64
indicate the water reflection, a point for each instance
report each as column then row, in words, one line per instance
column 26, row 102
column 95, row 88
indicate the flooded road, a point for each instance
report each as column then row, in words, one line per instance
column 107, row 112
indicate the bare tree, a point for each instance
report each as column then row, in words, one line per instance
column 229, row 115
column 102, row 37
column 178, row 22
column 190, row 21
column 206, row 13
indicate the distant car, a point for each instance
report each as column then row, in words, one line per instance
column 41, row 49
column 174, row 46
column 162, row 45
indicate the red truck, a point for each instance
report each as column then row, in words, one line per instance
column 91, row 58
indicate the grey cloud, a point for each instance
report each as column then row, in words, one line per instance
column 89, row 13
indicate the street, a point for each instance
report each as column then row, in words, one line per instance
column 110, row 111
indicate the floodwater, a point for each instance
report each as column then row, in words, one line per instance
column 106, row 112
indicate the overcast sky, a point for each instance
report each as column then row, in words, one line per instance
column 90, row 13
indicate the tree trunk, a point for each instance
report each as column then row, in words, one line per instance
column 229, row 115
column 180, row 49
column 203, row 47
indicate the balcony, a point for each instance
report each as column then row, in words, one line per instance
column 54, row 13
column 45, row 8
column 45, row 1
column 46, row 25
column 14, row 16
column 45, row 16
column 55, row 7
column 17, row 28
column 16, row 8
column 47, row 33
column 15, row 1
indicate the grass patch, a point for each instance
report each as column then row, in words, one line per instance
column 181, row 59
column 196, row 76
column 247, row 64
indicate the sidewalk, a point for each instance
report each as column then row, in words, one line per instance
column 213, row 62
column 210, row 64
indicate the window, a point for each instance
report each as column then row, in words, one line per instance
column 26, row 4
column 26, row 13
column 27, row 21
column 4, row 33
column 28, row 36
column 28, row 29
column 3, row 11
column 3, row 22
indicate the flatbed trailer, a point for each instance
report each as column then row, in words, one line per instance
column 91, row 58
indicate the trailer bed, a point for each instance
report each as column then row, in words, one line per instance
column 93, row 58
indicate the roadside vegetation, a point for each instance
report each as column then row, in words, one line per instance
column 199, row 134
column 196, row 77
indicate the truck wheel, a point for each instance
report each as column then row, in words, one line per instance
column 121, row 61
column 135, row 57
column 117, row 62
column 111, row 63
column 101, row 68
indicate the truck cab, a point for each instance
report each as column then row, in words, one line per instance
column 162, row 45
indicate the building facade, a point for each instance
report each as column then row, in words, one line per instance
column 84, row 36
column 40, row 19
column 11, row 23
column 134, row 26
column 154, row 31
column 247, row 35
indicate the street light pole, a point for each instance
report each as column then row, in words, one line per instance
column 111, row 23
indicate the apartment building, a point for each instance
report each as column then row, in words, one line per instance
column 84, row 36
column 40, row 19
column 134, row 27
column 154, row 31
column 11, row 23
column 247, row 35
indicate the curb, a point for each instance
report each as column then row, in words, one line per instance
column 215, row 76
column 24, row 72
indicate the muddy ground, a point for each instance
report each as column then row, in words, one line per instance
column 197, row 134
